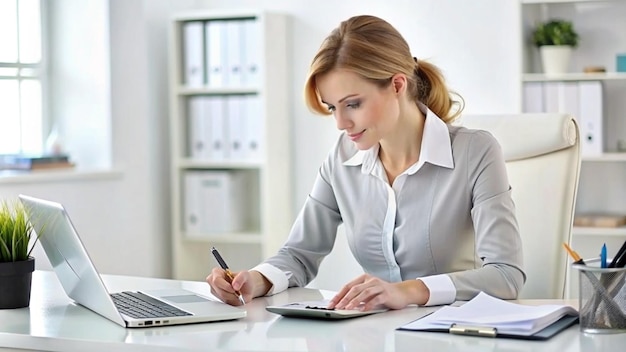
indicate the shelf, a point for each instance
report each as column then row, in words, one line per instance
column 202, row 164
column 606, row 157
column 182, row 90
column 207, row 113
column 580, row 76
column 244, row 238
column 60, row 175
column 214, row 14
column 599, row 231
column 559, row 1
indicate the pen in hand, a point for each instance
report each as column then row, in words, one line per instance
column 229, row 273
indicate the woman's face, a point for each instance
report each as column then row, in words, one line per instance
column 364, row 111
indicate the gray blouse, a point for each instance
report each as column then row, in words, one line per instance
column 450, row 215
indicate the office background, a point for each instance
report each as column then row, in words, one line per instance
column 110, row 91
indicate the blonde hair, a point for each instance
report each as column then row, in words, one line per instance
column 375, row 50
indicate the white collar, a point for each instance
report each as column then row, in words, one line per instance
column 436, row 147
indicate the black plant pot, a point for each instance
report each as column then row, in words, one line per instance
column 15, row 281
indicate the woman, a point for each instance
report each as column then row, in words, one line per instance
column 426, row 206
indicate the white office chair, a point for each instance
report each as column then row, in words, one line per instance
column 542, row 153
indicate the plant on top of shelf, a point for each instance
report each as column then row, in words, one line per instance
column 16, row 262
column 555, row 32
column 555, row 38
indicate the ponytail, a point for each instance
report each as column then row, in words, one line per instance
column 433, row 92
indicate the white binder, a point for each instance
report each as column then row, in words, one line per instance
column 192, row 219
column 533, row 97
column 199, row 146
column 215, row 202
column 193, row 49
column 215, row 55
column 591, row 112
column 215, row 129
column 251, row 56
column 254, row 137
column 551, row 96
column 560, row 97
column 236, row 127
column 234, row 48
column 569, row 103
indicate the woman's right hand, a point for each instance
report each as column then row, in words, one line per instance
column 250, row 284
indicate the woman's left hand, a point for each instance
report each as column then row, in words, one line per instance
column 368, row 292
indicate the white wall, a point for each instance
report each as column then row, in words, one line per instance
column 124, row 220
column 80, row 85
column 122, row 217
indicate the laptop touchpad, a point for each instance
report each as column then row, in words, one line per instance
column 185, row 299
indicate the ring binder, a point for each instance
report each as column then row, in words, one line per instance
column 473, row 330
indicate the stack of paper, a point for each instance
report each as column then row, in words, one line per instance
column 487, row 311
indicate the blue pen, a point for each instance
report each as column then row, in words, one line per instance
column 603, row 256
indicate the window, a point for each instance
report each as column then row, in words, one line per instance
column 22, row 77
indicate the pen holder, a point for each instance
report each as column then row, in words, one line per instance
column 602, row 298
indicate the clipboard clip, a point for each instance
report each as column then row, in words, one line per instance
column 473, row 330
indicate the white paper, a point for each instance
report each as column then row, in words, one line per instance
column 487, row 311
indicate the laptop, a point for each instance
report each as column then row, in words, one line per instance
column 82, row 283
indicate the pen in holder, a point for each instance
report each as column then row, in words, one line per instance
column 602, row 298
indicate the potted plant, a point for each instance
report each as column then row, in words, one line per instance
column 555, row 39
column 16, row 262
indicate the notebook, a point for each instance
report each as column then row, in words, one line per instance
column 488, row 316
column 318, row 310
column 82, row 283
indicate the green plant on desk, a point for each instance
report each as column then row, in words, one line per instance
column 15, row 232
column 16, row 263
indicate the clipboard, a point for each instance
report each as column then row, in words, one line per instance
column 481, row 331
column 488, row 316
column 318, row 310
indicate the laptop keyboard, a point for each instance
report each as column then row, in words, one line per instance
column 138, row 305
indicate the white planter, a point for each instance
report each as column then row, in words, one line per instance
column 555, row 58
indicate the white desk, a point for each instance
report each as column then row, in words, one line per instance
column 54, row 323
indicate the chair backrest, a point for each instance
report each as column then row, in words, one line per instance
column 542, row 153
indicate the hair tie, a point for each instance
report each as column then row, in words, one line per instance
column 423, row 84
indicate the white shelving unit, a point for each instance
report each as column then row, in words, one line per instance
column 601, row 187
column 606, row 157
column 268, row 198
column 594, row 231
column 539, row 77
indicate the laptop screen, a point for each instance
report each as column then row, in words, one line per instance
column 68, row 257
